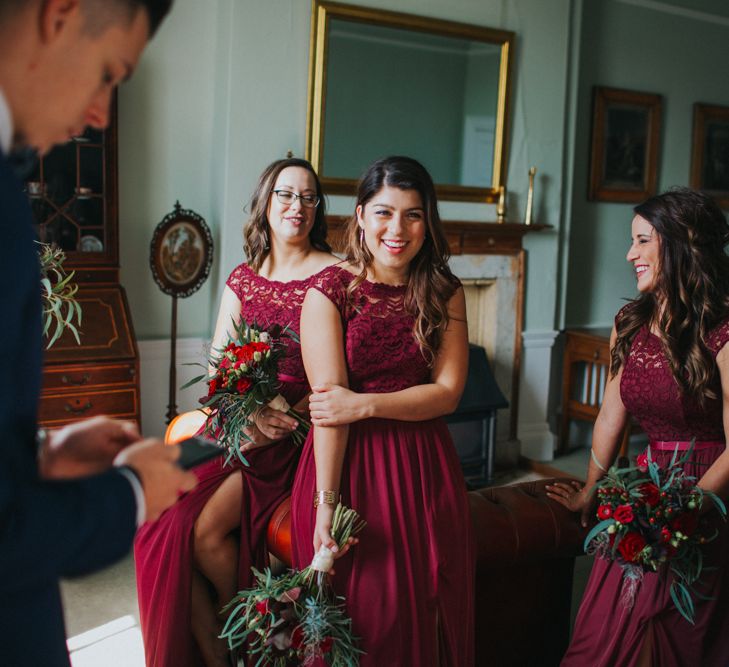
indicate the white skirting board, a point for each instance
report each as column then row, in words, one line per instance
column 537, row 441
column 154, row 370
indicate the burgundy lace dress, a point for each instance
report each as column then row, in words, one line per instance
column 606, row 633
column 163, row 550
column 409, row 582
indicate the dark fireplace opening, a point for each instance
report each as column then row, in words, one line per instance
column 473, row 424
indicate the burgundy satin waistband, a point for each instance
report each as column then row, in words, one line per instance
column 683, row 445
column 290, row 379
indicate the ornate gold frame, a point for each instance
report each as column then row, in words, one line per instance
column 323, row 10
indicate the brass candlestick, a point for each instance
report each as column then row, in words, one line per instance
column 501, row 206
column 530, row 197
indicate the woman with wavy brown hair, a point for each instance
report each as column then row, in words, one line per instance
column 670, row 371
column 385, row 347
column 192, row 561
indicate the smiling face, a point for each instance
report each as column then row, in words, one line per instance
column 292, row 222
column 75, row 71
column 394, row 226
column 644, row 253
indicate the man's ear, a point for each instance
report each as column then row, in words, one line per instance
column 55, row 16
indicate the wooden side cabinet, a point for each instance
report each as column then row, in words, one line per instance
column 584, row 375
column 74, row 196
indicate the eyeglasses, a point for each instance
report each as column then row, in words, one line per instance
column 287, row 197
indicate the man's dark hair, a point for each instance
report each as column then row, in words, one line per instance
column 99, row 15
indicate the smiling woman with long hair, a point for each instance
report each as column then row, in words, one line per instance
column 385, row 347
column 669, row 370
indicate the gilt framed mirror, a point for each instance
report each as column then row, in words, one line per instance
column 385, row 83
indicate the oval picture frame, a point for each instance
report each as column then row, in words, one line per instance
column 181, row 252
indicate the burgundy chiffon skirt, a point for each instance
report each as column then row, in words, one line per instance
column 409, row 582
column 606, row 634
column 163, row 550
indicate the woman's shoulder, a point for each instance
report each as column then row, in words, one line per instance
column 240, row 275
column 336, row 275
column 718, row 336
column 623, row 312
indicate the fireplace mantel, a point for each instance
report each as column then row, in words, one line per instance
column 464, row 238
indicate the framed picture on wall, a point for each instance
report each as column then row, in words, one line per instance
column 626, row 130
column 710, row 154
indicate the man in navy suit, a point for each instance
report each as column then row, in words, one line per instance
column 69, row 503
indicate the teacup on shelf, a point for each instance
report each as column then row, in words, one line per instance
column 35, row 189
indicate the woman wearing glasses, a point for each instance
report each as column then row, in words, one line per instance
column 190, row 563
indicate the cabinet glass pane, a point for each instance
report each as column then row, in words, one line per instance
column 91, row 170
column 59, row 173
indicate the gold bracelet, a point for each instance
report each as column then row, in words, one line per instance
column 324, row 498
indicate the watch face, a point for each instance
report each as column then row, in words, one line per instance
column 181, row 253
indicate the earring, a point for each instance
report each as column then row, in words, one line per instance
column 267, row 243
column 361, row 235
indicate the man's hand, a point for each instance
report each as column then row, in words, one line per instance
column 85, row 448
column 162, row 479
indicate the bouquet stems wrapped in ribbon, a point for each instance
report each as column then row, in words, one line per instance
column 245, row 379
column 295, row 618
column 648, row 520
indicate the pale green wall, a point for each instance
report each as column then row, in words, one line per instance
column 167, row 123
column 633, row 47
column 222, row 91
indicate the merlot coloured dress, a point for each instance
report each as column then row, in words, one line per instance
column 608, row 634
column 409, row 582
column 163, row 550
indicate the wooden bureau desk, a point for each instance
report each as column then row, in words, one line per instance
column 584, row 374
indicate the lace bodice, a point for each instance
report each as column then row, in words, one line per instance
column 651, row 394
column 270, row 302
column 381, row 351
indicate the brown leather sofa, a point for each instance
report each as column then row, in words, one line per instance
column 525, row 552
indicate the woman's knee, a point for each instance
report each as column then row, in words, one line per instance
column 220, row 515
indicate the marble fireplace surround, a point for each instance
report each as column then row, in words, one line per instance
column 490, row 260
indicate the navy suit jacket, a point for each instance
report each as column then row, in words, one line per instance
column 48, row 529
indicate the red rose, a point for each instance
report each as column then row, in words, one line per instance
column 630, row 546
column 666, row 534
column 212, row 386
column 262, row 607
column 243, row 385
column 225, row 362
column 604, row 512
column 326, row 644
column 650, row 493
column 297, row 638
column 242, row 353
column 685, row 523
column 642, row 461
column 623, row 513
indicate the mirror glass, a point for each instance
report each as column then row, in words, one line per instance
column 385, row 83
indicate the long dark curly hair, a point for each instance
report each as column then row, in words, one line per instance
column 257, row 243
column 430, row 282
column 691, row 292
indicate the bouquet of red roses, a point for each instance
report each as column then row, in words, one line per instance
column 296, row 618
column 245, row 379
column 649, row 519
